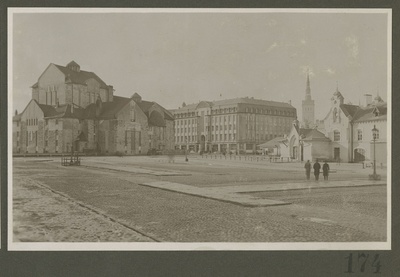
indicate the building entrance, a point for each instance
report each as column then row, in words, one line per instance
column 336, row 154
column 202, row 143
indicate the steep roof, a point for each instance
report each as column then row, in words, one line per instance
column 349, row 110
column 109, row 109
column 314, row 134
column 304, row 131
column 145, row 106
column 168, row 115
column 156, row 119
column 51, row 111
column 81, row 76
column 62, row 111
column 367, row 113
column 272, row 143
column 360, row 114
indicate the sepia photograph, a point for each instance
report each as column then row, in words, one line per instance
column 199, row 129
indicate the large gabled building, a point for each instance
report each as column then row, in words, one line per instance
column 74, row 110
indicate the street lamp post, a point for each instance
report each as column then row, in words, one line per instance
column 186, row 150
column 374, row 176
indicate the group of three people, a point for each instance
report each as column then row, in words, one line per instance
column 317, row 168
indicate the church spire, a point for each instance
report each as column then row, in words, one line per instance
column 308, row 106
column 308, row 88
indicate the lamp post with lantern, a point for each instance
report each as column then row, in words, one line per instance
column 186, row 150
column 374, row 176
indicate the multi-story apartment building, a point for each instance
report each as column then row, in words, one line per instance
column 233, row 125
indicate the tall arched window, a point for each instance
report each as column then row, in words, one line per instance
column 336, row 135
column 132, row 114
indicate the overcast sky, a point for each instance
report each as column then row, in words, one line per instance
column 172, row 58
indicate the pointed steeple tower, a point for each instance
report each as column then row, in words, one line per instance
column 308, row 87
column 308, row 106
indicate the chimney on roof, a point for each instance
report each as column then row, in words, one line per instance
column 110, row 94
column 290, row 102
column 16, row 112
column 368, row 99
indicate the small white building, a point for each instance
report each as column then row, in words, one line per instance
column 346, row 134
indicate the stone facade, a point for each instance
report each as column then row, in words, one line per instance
column 74, row 110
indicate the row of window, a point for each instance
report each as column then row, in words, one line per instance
column 31, row 122
column 234, row 110
column 225, row 119
column 185, row 139
column 217, row 111
column 216, row 128
column 222, row 137
column 34, row 121
column 336, row 135
column 360, row 135
column 268, row 111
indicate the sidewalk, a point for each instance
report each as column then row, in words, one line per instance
column 237, row 194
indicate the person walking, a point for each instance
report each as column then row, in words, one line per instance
column 307, row 166
column 325, row 170
column 317, row 167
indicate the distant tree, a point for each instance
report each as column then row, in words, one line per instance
column 183, row 104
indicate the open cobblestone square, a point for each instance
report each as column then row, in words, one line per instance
column 136, row 199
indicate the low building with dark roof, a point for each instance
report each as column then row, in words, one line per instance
column 75, row 110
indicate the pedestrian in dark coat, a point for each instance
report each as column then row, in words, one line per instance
column 317, row 167
column 325, row 170
column 307, row 166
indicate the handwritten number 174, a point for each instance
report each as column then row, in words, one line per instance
column 362, row 260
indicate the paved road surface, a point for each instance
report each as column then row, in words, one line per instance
column 114, row 200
